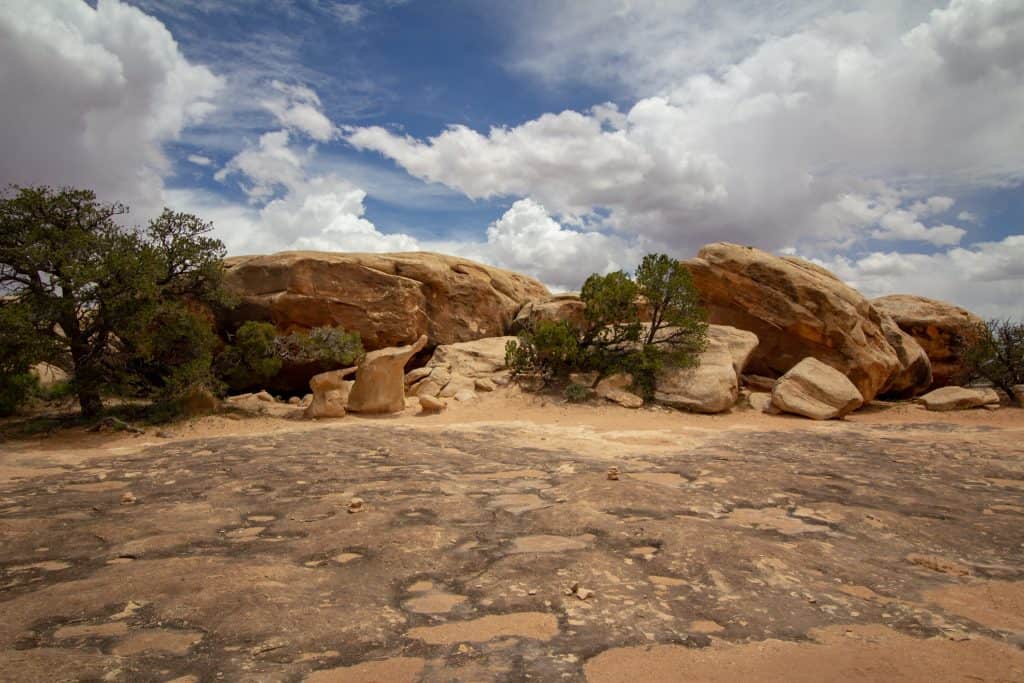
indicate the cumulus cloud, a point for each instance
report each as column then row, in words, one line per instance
column 526, row 238
column 987, row 278
column 199, row 160
column 757, row 151
column 268, row 166
column 90, row 95
column 642, row 46
column 298, row 107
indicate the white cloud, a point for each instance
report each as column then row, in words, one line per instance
column 527, row 239
column 855, row 104
column 933, row 205
column 91, row 95
column 199, row 160
column 986, row 278
column 642, row 46
column 298, row 108
column 349, row 13
column 270, row 165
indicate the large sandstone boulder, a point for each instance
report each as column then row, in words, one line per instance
column 390, row 299
column 330, row 393
column 558, row 307
column 815, row 390
column 915, row 373
column 615, row 388
column 959, row 398
column 713, row 385
column 380, row 379
column 797, row 309
column 939, row 327
column 479, row 358
column 460, row 367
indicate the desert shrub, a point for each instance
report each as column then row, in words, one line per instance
column 15, row 390
column 172, row 358
column 327, row 346
column 55, row 391
column 577, row 393
column 995, row 352
column 613, row 338
column 253, row 356
column 549, row 347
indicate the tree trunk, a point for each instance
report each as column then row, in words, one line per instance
column 90, row 401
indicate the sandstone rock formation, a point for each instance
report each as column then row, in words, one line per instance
column 558, row 307
column 796, row 309
column 939, row 327
column 48, row 375
column 380, row 379
column 390, row 299
column 713, row 385
column 615, row 388
column 915, row 373
column 330, row 393
column 959, row 398
column 466, row 366
column 429, row 404
column 815, row 390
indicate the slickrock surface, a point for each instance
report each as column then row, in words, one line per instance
column 880, row 548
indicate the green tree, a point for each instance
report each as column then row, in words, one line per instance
column 995, row 352
column 96, row 294
column 615, row 337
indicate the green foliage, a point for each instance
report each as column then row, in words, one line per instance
column 614, row 338
column 57, row 391
column 577, row 393
column 174, row 356
column 89, row 295
column 549, row 347
column 253, row 358
column 327, row 346
column 995, row 352
column 15, row 390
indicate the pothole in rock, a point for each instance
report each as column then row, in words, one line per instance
column 429, row 599
column 518, row 503
column 157, row 639
column 532, row 625
column 545, row 543
column 773, row 519
column 663, row 478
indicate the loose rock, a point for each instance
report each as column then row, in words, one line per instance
column 958, row 398
column 815, row 390
column 430, row 404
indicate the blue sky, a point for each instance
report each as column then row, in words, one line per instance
column 557, row 137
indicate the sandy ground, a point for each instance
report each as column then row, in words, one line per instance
column 490, row 544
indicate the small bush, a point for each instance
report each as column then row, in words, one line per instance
column 15, row 390
column 548, row 347
column 168, row 362
column 577, row 393
column 329, row 346
column 253, row 358
column 56, row 391
column 995, row 352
